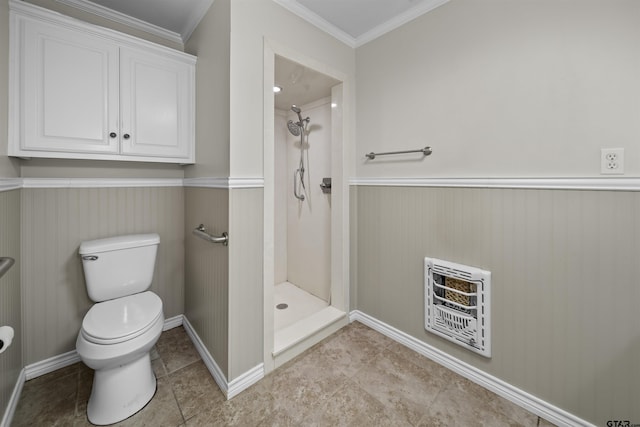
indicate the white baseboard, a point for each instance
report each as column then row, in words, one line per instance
column 521, row 398
column 173, row 322
column 230, row 389
column 245, row 381
column 207, row 358
column 13, row 401
column 51, row 364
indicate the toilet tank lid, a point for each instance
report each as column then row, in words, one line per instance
column 118, row 242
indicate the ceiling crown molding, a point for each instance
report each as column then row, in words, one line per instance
column 194, row 19
column 354, row 42
column 309, row 16
column 121, row 18
column 398, row 21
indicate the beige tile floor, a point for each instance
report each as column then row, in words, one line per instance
column 356, row 377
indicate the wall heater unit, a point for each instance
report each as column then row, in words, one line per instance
column 457, row 304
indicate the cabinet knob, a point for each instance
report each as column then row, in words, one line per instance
column 126, row 136
column 113, row 134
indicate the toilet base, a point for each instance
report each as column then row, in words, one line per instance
column 120, row 392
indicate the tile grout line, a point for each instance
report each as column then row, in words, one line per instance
column 442, row 390
column 173, row 393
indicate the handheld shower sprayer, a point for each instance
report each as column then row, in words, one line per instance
column 297, row 129
column 301, row 121
column 297, row 110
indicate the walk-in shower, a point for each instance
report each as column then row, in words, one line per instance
column 299, row 128
column 303, row 304
column 302, row 253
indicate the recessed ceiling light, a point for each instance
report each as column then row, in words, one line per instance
column 277, row 89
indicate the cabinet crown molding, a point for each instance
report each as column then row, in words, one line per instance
column 29, row 10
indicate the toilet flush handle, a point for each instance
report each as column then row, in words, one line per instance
column 89, row 257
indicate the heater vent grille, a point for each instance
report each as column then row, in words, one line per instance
column 457, row 304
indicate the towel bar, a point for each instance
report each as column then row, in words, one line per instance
column 426, row 151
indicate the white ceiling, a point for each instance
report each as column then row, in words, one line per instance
column 354, row 22
column 300, row 85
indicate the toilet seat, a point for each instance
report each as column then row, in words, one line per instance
column 121, row 319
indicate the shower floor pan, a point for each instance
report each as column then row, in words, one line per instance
column 300, row 304
column 305, row 321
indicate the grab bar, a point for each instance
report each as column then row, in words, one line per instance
column 426, row 151
column 5, row 264
column 201, row 232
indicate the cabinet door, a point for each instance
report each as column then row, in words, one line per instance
column 156, row 105
column 69, row 91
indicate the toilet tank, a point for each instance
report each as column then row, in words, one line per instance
column 118, row 266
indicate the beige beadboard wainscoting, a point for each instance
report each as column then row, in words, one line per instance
column 206, row 272
column 565, row 271
column 223, row 284
column 246, row 286
column 54, row 223
column 10, row 308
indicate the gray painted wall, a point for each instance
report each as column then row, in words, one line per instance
column 564, row 283
column 210, row 42
column 207, row 271
column 495, row 86
column 10, row 308
column 56, row 221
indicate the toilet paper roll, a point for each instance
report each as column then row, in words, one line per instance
column 6, row 336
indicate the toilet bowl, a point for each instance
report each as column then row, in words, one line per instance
column 119, row 331
column 123, row 382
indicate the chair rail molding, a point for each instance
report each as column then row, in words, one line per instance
column 587, row 183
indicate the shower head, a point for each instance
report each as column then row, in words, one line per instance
column 297, row 127
column 294, row 128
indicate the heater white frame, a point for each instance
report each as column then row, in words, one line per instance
column 471, row 332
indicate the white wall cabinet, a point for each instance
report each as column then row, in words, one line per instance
column 84, row 92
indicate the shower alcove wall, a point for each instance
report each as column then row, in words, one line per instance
column 302, row 227
column 301, row 271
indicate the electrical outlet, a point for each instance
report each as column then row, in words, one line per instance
column 612, row 161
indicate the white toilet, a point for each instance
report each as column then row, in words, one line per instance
column 119, row 331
